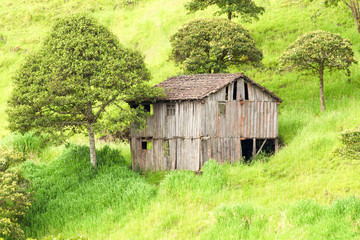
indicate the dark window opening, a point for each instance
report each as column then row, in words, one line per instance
column 133, row 105
column 143, row 145
column 222, row 108
column 227, row 93
column 147, row 107
column 247, row 148
column 146, row 143
column 170, row 109
column 166, row 148
column 235, row 90
column 246, row 91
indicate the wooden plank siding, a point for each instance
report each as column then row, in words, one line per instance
column 198, row 132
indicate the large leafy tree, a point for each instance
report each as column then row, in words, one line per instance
column 317, row 51
column 353, row 6
column 212, row 45
column 247, row 9
column 80, row 71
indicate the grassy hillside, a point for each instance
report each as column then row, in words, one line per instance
column 291, row 195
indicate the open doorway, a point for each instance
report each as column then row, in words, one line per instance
column 246, row 147
column 268, row 148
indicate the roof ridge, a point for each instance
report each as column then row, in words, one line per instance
column 199, row 86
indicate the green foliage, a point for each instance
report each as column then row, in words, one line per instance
column 212, row 45
column 15, row 200
column 68, row 193
column 127, row 3
column 211, row 181
column 79, row 71
column 353, row 6
column 247, row 9
column 319, row 50
column 324, row 221
column 27, row 144
column 303, row 169
column 236, row 222
column 63, row 237
column 351, row 140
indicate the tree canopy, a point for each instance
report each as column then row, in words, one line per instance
column 212, row 45
column 318, row 51
column 80, row 70
column 247, row 9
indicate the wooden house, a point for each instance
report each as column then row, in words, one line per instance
column 204, row 116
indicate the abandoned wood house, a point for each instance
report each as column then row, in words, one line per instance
column 218, row 116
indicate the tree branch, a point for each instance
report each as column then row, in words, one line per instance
column 103, row 108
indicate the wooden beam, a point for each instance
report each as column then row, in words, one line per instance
column 276, row 145
column 262, row 145
column 254, row 148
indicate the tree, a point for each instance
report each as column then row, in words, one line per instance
column 318, row 51
column 247, row 9
column 353, row 5
column 80, row 70
column 211, row 45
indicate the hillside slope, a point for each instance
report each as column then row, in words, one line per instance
column 189, row 207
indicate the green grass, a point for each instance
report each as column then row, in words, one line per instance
column 69, row 195
column 306, row 191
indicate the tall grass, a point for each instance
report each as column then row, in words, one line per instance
column 69, row 195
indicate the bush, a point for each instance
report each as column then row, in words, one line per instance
column 351, row 140
column 9, row 158
column 14, row 202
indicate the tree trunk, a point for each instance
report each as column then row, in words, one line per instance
column 229, row 15
column 354, row 7
column 92, row 146
column 321, row 78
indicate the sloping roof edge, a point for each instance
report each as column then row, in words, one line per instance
column 236, row 76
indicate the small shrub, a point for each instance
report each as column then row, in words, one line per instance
column 351, row 140
column 14, row 202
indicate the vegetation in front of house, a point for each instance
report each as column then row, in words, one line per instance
column 212, row 45
column 306, row 191
column 68, row 189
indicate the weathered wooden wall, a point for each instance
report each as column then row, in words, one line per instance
column 197, row 132
column 181, row 130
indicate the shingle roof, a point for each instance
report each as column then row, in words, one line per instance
column 198, row 86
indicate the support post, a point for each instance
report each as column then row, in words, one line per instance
column 276, row 145
column 254, row 148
